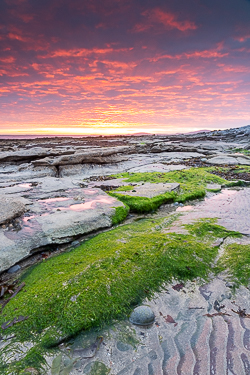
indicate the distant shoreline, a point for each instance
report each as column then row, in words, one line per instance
column 34, row 136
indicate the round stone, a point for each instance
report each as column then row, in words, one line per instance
column 142, row 316
column 14, row 269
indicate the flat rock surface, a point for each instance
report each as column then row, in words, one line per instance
column 231, row 207
column 192, row 334
column 135, row 163
column 58, row 211
column 149, row 190
column 233, row 159
column 195, row 330
column 157, row 167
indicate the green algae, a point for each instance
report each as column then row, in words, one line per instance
column 102, row 280
column 127, row 335
column 143, row 204
column 242, row 151
column 120, row 214
column 236, row 259
column 208, row 227
column 97, row 368
column 192, row 182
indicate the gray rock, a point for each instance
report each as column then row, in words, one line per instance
column 157, row 167
column 123, row 347
column 31, row 154
column 229, row 160
column 27, row 172
column 142, row 315
column 75, row 243
column 10, row 208
column 14, row 269
column 149, row 190
column 213, row 187
column 100, row 156
column 56, row 219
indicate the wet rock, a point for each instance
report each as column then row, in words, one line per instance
column 75, row 243
column 213, row 187
column 97, row 368
column 45, row 225
column 10, row 208
column 14, row 269
column 157, row 167
column 230, row 285
column 142, row 315
column 149, row 190
column 123, row 347
column 216, row 207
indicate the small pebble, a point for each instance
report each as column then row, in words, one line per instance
column 142, row 315
column 14, row 269
column 75, row 243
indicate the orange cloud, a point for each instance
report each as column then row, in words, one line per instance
column 168, row 19
column 18, row 37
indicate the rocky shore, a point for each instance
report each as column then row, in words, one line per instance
column 57, row 192
column 51, row 189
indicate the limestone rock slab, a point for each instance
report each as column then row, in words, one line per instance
column 57, row 219
column 10, row 208
column 149, row 190
column 229, row 160
column 231, row 207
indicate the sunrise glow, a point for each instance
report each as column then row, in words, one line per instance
column 121, row 67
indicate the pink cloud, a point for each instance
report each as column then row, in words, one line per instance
column 170, row 20
column 167, row 19
column 242, row 38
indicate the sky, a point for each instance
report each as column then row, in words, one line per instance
column 123, row 66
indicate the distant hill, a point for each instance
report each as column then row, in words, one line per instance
column 199, row 131
column 138, row 134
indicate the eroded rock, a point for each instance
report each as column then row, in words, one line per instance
column 10, row 208
column 149, row 190
column 57, row 217
column 229, row 160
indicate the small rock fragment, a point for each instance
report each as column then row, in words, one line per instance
column 75, row 243
column 14, row 269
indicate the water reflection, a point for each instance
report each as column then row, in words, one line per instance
column 185, row 208
column 25, row 185
column 92, row 204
